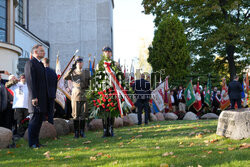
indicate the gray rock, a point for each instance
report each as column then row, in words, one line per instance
column 118, row 122
column 234, row 124
column 170, row 116
column 133, row 118
column 127, row 121
column 47, row 131
column 95, row 124
column 71, row 125
column 62, row 127
column 190, row 116
column 5, row 137
column 160, row 116
column 153, row 117
column 209, row 116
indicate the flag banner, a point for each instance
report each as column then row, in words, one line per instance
column 244, row 94
column 207, row 98
column 167, row 98
column 60, row 98
column 155, row 107
column 225, row 101
column 197, row 105
column 158, row 96
column 189, row 95
column 58, row 67
column 118, row 88
column 66, row 86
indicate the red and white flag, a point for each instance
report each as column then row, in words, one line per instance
column 167, row 98
column 225, row 101
column 197, row 105
column 58, row 67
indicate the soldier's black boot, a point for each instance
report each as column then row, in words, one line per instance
column 111, row 126
column 76, row 128
column 105, row 130
column 82, row 128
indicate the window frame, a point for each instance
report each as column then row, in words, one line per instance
column 6, row 21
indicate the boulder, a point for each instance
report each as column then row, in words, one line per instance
column 62, row 127
column 190, row 116
column 95, row 124
column 234, row 124
column 209, row 116
column 170, row 116
column 5, row 137
column 133, row 118
column 153, row 117
column 127, row 121
column 118, row 122
column 71, row 125
column 160, row 116
column 47, row 131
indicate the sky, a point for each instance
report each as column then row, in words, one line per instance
column 130, row 25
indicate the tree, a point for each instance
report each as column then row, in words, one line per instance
column 169, row 50
column 213, row 27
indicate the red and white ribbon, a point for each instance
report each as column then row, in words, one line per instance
column 119, row 90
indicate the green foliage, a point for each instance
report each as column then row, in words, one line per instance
column 169, row 50
column 212, row 27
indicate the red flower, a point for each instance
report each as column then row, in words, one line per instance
column 122, row 99
column 105, row 91
column 107, row 109
column 97, row 106
column 112, row 104
column 103, row 106
column 94, row 104
column 110, row 90
column 94, row 101
column 98, row 100
column 109, row 100
column 104, row 100
column 108, row 105
column 110, row 94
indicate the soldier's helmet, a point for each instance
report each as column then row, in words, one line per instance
column 107, row 49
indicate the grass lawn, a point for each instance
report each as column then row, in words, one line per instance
column 167, row 143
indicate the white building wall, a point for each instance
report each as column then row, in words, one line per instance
column 72, row 24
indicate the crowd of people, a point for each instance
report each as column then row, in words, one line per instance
column 32, row 97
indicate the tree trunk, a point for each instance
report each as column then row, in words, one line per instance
column 230, row 49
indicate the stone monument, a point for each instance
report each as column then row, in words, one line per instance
column 234, row 124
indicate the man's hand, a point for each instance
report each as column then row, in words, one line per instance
column 35, row 102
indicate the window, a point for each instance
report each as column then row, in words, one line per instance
column 20, row 12
column 3, row 20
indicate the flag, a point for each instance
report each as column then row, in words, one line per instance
column 207, row 98
column 132, row 74
column 155, row 107
column 244, row 92
column 167, row 99
column 93, row 66
column 58, row 67
column 247, row 83
column 225, row 101
column 197, row 105
column 189, row 95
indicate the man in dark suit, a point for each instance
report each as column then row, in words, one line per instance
column 142, row 91
column 38, row 94
column 234, row 91
column 52, row 87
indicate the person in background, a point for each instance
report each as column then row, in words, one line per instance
column 52, row 87
column 38, row 94
column 234, row 91
column 182, row 102
column 142, row 91
column 3, row 103
column 173, row 100
column 20, row 101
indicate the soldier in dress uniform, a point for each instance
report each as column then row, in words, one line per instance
column 80, row 79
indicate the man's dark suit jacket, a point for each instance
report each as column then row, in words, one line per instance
column 142, row 89
column 234, row 90
column 37, row 85
column 51, row 82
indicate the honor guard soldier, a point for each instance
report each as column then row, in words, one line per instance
column 80, row 79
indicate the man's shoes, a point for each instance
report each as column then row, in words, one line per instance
column 41, row 145
column 34, row 146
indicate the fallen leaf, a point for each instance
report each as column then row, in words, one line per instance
column 192, row 133
column 47, row 154
column 203, row 156
column 181, row 146
column 68, row 156
column 164, row 165
column 191, row 144
column 99, row 154
column 199, row 166
column 9, row 152
column 181, row 143
column 209, row 152
column 220, row 152
column 157, row 147
column 92, row 158
column 214, row 140
column 51, row 158
column 138, row 136
column 244, row 146
column 86, row 142
column 230, row 148
column 107, row 155
column 93, row 149
column 199, row 136
column 115, row 162
column 174, row 156
column 86, row 148
column 105, row 141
